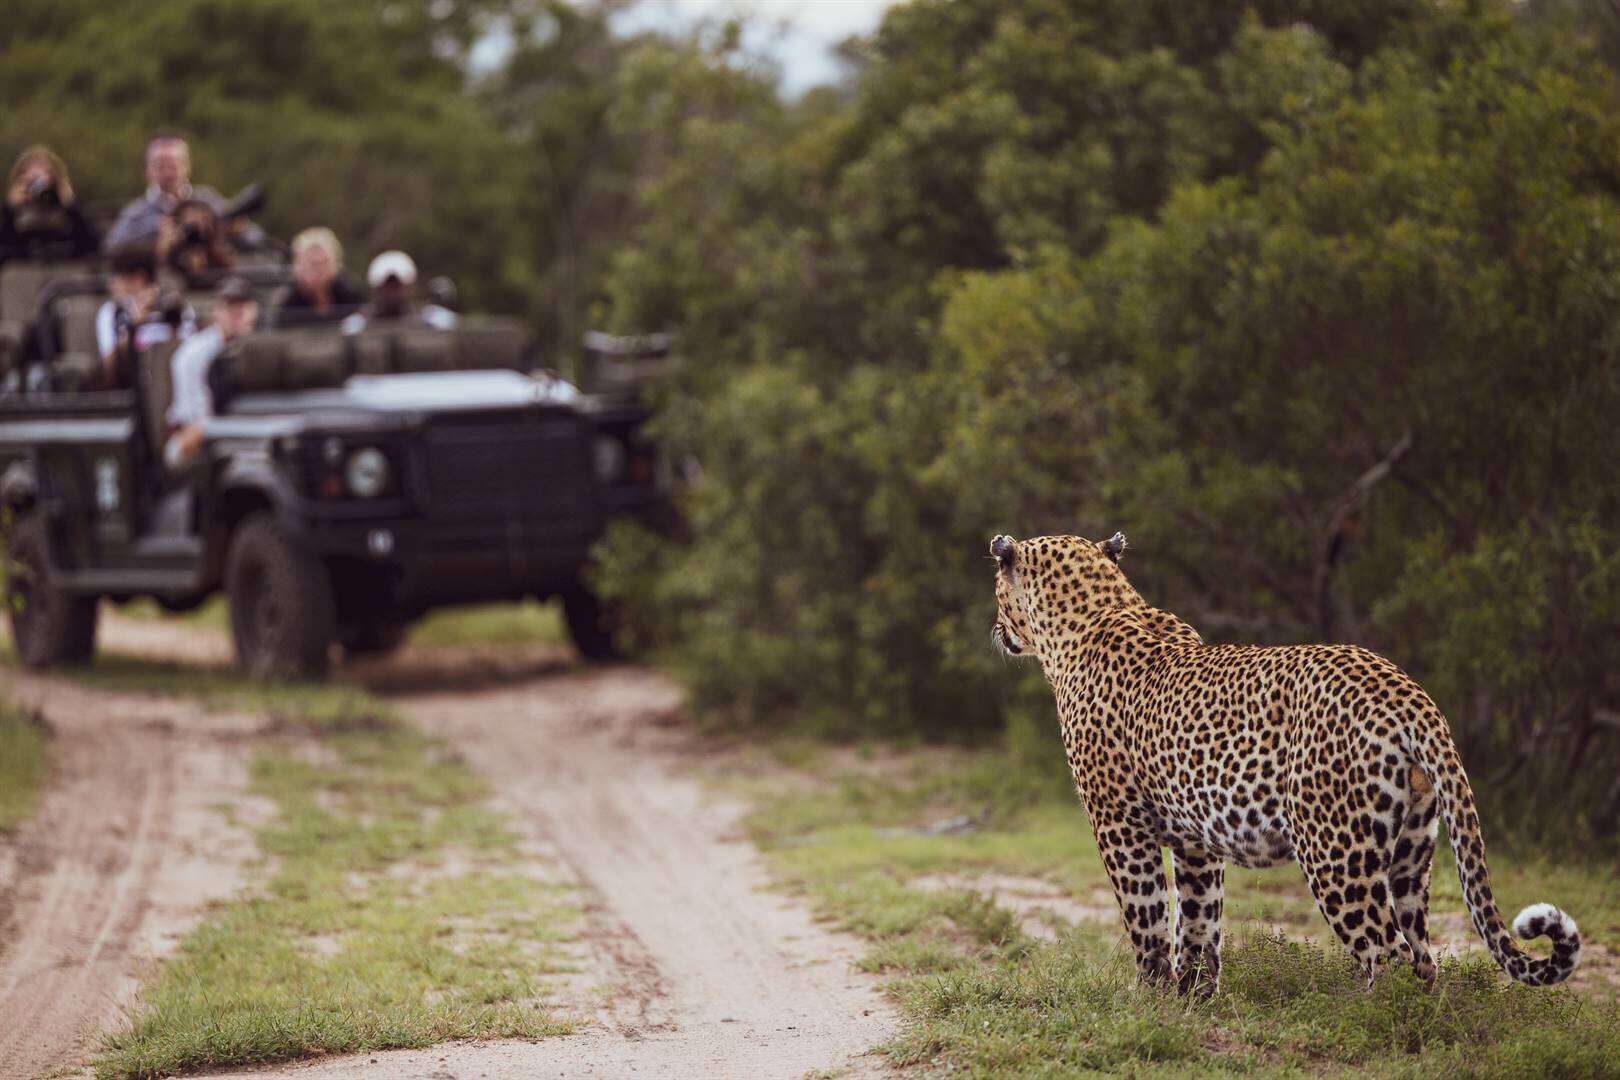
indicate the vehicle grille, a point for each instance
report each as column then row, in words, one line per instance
column 517, row 468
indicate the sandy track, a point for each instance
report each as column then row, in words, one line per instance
column 125, row 849
column 705, row 972
column 697, row 968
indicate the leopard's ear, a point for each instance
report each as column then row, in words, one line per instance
column 1004, row 549
column 1114, row 546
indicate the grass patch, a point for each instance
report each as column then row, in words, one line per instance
column 313, row 706
column 984, row 999
column 526, row 623
column 214, row 612
column 24, row 765
column 396, row 915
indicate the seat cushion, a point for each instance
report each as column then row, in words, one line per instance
column 424, row 350
column 21, row 282
column 77, row 319
column 316, row 360
column 371, row 352
column 259, row 363
column 490, row 344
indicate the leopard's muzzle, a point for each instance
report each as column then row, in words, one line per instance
column 1007, row 641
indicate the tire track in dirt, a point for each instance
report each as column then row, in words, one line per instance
column 705, row 971
column 697, row 969
column 126, row 847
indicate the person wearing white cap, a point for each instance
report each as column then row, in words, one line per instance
column 392, row 278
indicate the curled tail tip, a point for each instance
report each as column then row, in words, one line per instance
column 1544, row 919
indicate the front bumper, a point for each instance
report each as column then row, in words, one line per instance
column 417, row 563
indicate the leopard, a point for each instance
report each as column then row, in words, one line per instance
column 1330, row 756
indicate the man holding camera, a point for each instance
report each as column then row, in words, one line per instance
column 40, row 219
column 168, row 183
column 139, row 315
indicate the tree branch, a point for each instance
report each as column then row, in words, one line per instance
column 1332, row 548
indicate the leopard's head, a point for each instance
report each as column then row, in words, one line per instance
column 1050, row 584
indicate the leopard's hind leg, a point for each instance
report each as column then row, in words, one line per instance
column 1331, row 805
column 1411, row 854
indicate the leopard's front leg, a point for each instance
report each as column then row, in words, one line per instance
column 1200, row 888
column 1135, row 865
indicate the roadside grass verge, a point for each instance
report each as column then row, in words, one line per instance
column 24, row 765
column 213, row 612
column 527, row 623
column 985, row 996
column 305, row 706
column 396, row 910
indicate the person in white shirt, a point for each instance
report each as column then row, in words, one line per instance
column 138, row 316
column 235, row 313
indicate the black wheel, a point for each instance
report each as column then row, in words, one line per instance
column 281, row 604
column 372, row 638
column 48, row 626
column 593, row 625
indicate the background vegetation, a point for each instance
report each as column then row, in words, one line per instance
column 1320, row 303
column 1316, row 302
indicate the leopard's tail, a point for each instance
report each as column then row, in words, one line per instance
column 1431, row 747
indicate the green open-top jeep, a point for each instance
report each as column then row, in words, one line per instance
column 354, row 482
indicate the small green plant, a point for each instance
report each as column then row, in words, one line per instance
column 24, row 764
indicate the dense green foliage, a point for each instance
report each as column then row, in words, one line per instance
column 1317, row 302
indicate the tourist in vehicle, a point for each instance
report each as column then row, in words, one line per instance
column 41, row 218
column 191, row 242
column 392, row 278
column 139, row 316
column 236, row 311
column 168, row 183
column 319, row 292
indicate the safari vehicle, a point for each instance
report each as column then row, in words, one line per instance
column 355, row 482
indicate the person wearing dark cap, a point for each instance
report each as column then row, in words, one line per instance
column 235, row 313
column 139, row 314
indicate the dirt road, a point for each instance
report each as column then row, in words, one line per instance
column 699, row 970
column 127, row 847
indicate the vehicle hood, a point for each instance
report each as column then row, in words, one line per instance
column 418, row 394
column 455, row 390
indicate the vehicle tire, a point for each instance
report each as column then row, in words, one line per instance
column 281, row 604
column 593, row 625
column 373, row 638
column 48, row 626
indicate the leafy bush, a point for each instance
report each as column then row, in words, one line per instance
column 1316, row 302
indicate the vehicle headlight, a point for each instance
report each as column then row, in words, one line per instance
column 366, row 472
column 610, row 458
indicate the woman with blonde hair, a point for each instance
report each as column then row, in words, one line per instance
column 41, row 218
column 318, row 293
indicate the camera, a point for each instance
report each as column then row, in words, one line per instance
column 42, row 192
column 171, row 308
column 192, row 234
